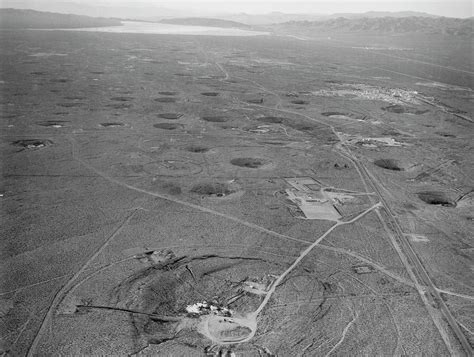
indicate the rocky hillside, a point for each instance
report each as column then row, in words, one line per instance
column 17, row 19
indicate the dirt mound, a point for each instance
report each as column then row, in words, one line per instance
column 390, row 164
column 197, row 148
column 111, row 124
column 167, row 126
column 32, row 143
column 168, row 93
column 400, row 109
column 210, row 94
column 170, row 116
column 437, row 198
column 271, row 120
column 165, row 100
column 214, row 119
column 248, row 162
column 212, row 189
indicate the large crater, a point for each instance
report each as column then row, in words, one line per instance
column 390, row 164
column 248, row 162
column 437, row 198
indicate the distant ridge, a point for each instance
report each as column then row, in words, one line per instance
column 202, row 21
column 414, row 24
column 18, row 19
column 279, row 17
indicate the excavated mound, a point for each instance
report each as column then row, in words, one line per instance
column 248, row 162
column 212, row 189
column 168, row 93
column 437, row 198
column 167, row 126
column 170, row 116
column 390, row 164
column 210, row 94
column 214, row 119
column 32, row 143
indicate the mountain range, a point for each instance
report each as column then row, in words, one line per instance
column 15, row 19
column 414, row 24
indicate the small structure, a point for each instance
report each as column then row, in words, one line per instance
column 313, row 204
column 363, row 269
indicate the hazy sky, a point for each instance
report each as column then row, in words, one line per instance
column 461, row 8
column 452, row 8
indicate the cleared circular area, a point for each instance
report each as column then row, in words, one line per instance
column 390, row 164
column 197, row 148
column 437, row 198
column 217, row 189
column 400, row 109
column 248, row 162
column 167, row 126
column 210, row 94
column 32, row 143
column 214, row 119
column 165, row 100
column 172, row 167
column 170, row 116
